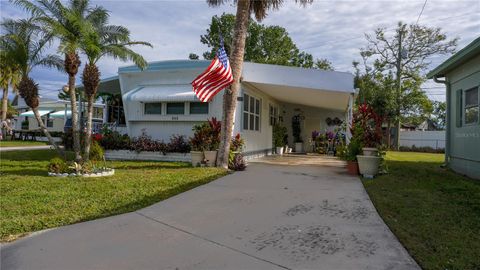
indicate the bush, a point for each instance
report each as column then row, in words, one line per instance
column 206, row 136
column 236, row 161
column 57, row 165
column 146, row 143
column 115, row 141
column 96, row 151
column 178, row 144
column 279, row 132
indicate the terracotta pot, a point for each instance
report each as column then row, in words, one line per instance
column 279, row 150
column 197, row 158
column 368, row 165
column 211, row 158
column 352, row 167
column 370, row 151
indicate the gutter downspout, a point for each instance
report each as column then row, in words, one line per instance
column 448, row 118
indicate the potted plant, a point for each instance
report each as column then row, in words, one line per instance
column 199, row 143
column 296, row 132
column 278, row 138
column 213, row 142
column 369, row 131
column 236, row 161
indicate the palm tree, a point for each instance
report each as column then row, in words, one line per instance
column 68, row 23
column 23, row 47
column 104, row 40
column 244, row 9
column 9, row 77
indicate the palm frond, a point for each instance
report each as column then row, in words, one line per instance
column 123, row 53
column 29, row 7
column 51, row 61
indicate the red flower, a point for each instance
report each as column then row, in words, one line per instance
column 96, row 137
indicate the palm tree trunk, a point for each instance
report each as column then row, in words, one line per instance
column 88, row 135
column 230, row 96
column 75, row 127
column 4, row 103
column 45, row 131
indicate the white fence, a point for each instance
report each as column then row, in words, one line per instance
column 434, row 139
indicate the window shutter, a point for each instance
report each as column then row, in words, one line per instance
column 458, row 120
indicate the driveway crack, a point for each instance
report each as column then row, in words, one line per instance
column 212, row 241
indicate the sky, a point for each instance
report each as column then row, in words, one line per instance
column 327, row 29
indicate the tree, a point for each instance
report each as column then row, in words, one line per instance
column 68, row 23
column 104, row 40
column 9, row 77
column 23, row 47
column 439, row 114
column 323, row 64
column 237, row 52
column 406, row 54
column 193, row 56
column 263, row 44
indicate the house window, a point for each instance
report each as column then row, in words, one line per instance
column 176, row 108
column 273, row 115
column 471, row 108
column 153, row 108
column 97, row 113
column 251, row 113
column 198, row 107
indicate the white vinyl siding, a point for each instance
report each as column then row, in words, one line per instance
column 471, row 106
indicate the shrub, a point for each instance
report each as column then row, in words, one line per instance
column 115, row 141
column 367, row 126
column 206, row 136
column 178, row 144
column 215, row 130
column 57, row 165
column 237, row 143
column 146, row 143
column 96, row 151
column 236, row 161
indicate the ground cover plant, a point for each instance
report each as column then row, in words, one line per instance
column 20, row 143
column 434, row 212
column 31, row 201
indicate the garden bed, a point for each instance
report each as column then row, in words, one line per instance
column 146, row 155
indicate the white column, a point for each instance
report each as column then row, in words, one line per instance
column 349, row 119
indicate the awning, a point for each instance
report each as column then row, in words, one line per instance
column 60, row 114
column 30, row 113
column 158, row 93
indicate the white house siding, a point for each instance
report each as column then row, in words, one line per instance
column 162, row 126
column 257, row 143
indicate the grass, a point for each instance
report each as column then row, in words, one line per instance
column 31, row 201
column 20, row 143
column 434, row 212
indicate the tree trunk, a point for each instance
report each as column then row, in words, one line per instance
column 4, row 103
column 88, row 135
column 230, row 95
column 75, row 127
column 45, row 131
column 389, row 133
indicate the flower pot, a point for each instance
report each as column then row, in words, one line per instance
column 352, row 167
column 299, row 147
column 197, row 158
column 211, row 158
column 279, row 150
column 370, row 151
column 368, row 165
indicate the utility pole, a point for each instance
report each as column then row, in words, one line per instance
column 399, row 88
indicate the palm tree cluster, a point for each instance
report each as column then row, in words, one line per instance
column 80, row 28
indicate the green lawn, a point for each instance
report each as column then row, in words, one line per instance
column 31, row 201
column 434, row 212
column 20, row 143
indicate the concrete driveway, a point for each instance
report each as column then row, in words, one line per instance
column 279, row 214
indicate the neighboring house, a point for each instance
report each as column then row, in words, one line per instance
column 160, row 101
column 461, row 75
column 55, row 114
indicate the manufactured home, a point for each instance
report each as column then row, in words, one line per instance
column 461, row 75
column 160, row 102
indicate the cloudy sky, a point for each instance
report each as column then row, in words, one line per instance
column 327, row 29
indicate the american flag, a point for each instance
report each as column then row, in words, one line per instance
column 216, row 77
